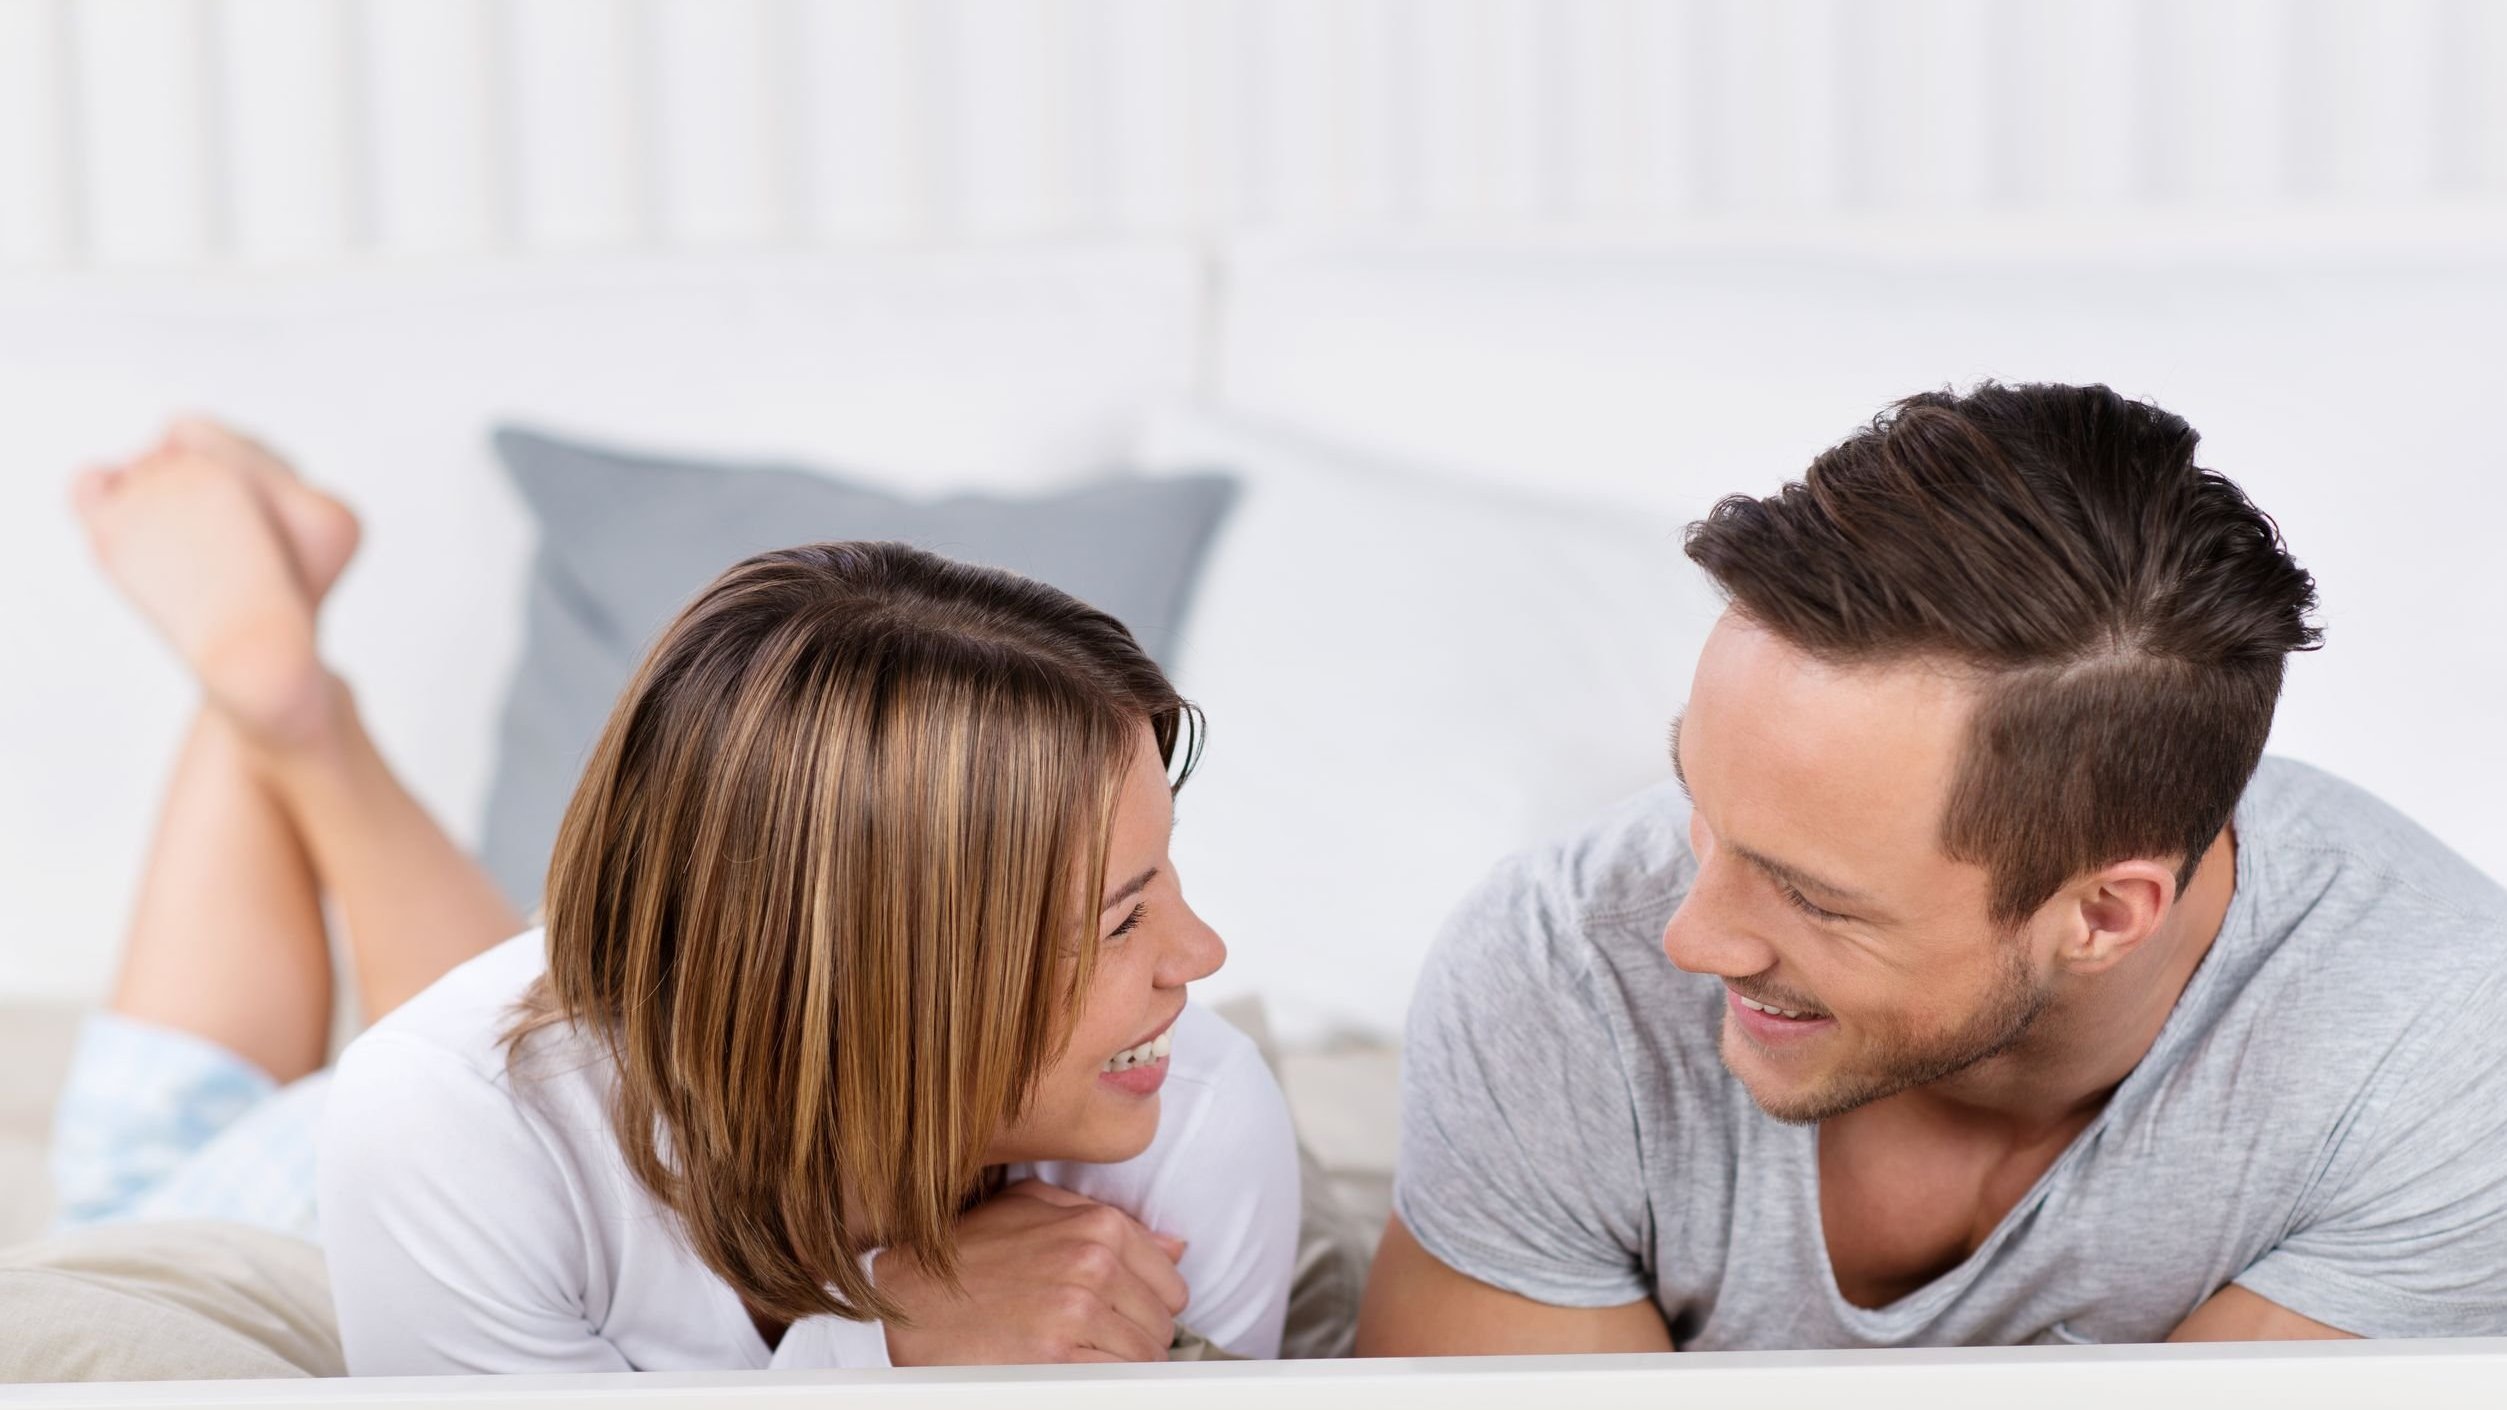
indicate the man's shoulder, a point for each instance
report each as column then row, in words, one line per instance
column 1578, row 920
column 2345, row 873
column 1630, row 862
column 2370, row 954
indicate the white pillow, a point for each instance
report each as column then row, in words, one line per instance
column 2347, row 382
column 1408, row 677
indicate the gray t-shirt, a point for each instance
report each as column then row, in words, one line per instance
column 2322, row 1119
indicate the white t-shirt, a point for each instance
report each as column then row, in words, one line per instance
column 479, row 1223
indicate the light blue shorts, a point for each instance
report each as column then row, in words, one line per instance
column 156, row 1123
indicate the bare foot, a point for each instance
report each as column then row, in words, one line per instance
column 190, row 543
column 321, row 532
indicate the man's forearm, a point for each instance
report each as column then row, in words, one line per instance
column 1417, row 1306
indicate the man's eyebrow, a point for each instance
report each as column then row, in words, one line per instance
column 1128, row 890
column 1797, row 878
column 1677, row 772
column 1792, row 876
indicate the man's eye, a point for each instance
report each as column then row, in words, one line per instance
column 1803, row 904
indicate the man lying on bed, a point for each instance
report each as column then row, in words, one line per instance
column 1974, row 984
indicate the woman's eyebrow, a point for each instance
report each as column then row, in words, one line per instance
column 1128, row 890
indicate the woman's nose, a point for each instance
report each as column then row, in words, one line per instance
column 1196, row 953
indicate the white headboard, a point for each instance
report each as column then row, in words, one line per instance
column 202, row 131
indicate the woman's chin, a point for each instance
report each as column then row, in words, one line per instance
column 1113, row 1136
column 1107, row 1127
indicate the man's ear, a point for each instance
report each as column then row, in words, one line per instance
column 2119, row 906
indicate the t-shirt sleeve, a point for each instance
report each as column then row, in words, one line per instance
column 2405, row 1234
column 1519, row 1162
column 452, row 1241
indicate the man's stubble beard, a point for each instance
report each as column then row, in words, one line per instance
column 1895, row 1063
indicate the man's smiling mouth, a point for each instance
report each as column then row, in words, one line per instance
column 1804, row 1014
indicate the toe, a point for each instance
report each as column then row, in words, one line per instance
column 194, row 432
column 208, row 436
column 92, row 487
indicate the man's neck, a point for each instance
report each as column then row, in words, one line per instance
column 2084, row 1047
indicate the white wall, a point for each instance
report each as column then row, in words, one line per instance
column 145, row 131
column 201, row 179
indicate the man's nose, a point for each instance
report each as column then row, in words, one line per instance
column 1711, row 932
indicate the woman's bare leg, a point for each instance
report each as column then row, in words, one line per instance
column 226, row 941
column 216, row 542
column 414, row 904
column 226, row 938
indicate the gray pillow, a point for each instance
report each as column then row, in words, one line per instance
column 626, row 539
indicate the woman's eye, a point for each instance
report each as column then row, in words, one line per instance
column 1130, row 922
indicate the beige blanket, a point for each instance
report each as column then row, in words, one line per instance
column 166, row 1301
column 209, row 1301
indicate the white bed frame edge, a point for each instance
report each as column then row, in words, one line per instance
column 2427, row 1375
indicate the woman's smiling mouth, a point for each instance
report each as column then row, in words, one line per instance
column 1141, row 1068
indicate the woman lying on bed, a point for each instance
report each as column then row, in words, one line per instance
column 857, row 1033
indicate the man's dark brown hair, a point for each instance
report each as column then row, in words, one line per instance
column 2128, row 611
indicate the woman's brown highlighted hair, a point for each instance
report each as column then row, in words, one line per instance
column 2128, row 612
column 827, row 891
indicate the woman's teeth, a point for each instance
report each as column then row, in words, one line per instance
column 1780, row 1013
column 1155, row 1050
